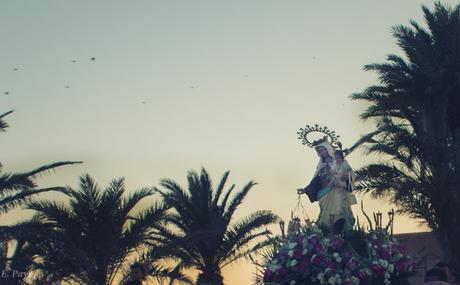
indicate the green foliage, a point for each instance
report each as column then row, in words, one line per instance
column 90, row 237
column 205, row 235
column 415, row 105
column 18, row 188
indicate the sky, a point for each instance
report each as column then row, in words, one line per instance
column 180, row 85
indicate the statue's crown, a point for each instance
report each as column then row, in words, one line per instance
column 330, row 136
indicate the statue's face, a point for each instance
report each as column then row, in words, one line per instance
column 338, row 158
column 322, row 152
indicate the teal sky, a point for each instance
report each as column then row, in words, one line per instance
column 177, row 85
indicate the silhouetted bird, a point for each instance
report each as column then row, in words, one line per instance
column 192, row 87
column 6, row 92
column 93, row 58
column 15, row 69
column 74, row 60
column 143, row 102
column 67, row 86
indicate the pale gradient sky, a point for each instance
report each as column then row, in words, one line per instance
column 226, row 85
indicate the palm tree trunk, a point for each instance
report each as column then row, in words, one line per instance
column 210, row 277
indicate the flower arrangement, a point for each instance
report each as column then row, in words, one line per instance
column 314, row 256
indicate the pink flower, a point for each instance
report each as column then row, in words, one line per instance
column 337, row 243
column 300, row 240
column 301, row 267
column 306, row 260
column 298, row 254
column 378, row 269
column 282, row 272
column 330, row 264
column 346, row 255
column 362, row 276
column 400, row 266
column 317, row 259
column 385, row 254
column 268, row 274
column 352, row 265
column 317, row 247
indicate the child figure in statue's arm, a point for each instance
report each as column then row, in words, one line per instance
column 344, row 175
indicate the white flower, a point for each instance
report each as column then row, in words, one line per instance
column 374, row 253
column 338, row 259
column 383, row 263
column 291, row 253
column 387, row 282
column 305, row 251
column 338, row 280
column 292, row 282
column 369, row 244
column 391, row 268
column 355, row 280
column 320, row 276
column 374, row 237
column 387, row 275
column 292, row 245
column 326, row 241
column 335, row 255
column 331, row 280
column 293, row 263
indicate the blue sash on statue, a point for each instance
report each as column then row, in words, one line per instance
column 323, row 192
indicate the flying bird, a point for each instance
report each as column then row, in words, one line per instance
column 15, row 69
column 93, row 59
column 7, row 92
column 67, row 86
column 143, row 102
column 74, row 60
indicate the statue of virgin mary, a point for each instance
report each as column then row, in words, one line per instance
column 331, row 186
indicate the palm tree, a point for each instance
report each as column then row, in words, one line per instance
column 92, row 236
column 4, row 125
column 204, row 234
column 157, row 270
column 18, row 188
column 418, row 125
column 23, row 248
